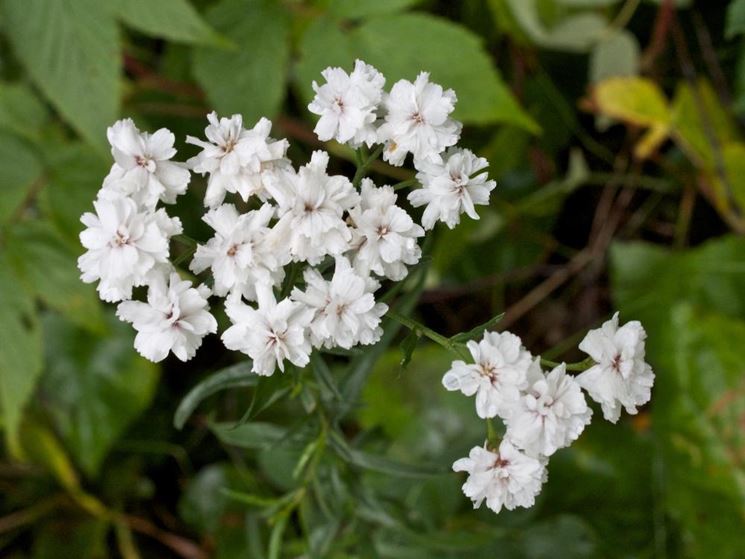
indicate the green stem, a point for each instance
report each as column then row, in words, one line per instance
column 405, row 184
column 439, row 339
column 578, row 366
column 364, row 164
column 492, row 437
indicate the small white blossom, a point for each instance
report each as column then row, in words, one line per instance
column 124, row 246
column 385, row 236
column 621, row 377
column 175, row 318
column 238, row 253
column 346, row 313
column 551, row 413
column 311, row 207
column 270, row 334
column 417, row 121
column 452, row 187
column 347, row 104
column 142, row 168
column 497, row 376
column 507, row 478
column 237, row 160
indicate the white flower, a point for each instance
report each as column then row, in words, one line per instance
column 498, row 375
column 142, row 168
column 124, row 246
column 270, row 334
column 347, row 104
column 238, row 253
column 450, row 188
column 237, row 159
column 311, row 211
column 621, row 377
column 507, row 478
column 551, row 413
column 175, row 318
column 417, row 121
column 346, row 313
column 385, row 237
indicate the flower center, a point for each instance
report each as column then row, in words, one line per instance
column 616, row 363
column 382, row 231
column 229, row 145
column 500, row 463
column 233, row 249
column 142, row 161
column 489, row 371
column 339, row 102
column 417, row 118
column 121, row 237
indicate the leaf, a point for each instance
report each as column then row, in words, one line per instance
column 176, row 20
column 240, row 80
column 636, row 101
column 75, row 172
column 735, row 21
column 20, row 170
column 474, row 333
column 356, row 9
column 71, row 51
column 20, row 353
column 615, row 55
column 407, row 346
column 235, row 376
column 93, row 387
column 401, row 46
column 47, row 269
column 21, row 111
column 323, row 374
column 733, row 156
column 249, row 435
column 699, row 400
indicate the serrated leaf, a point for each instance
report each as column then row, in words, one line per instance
column 21, row 111
column 20, row 353
column 235, row 376
column 71, row 51
column 239, row 80
column 176, row 20
column 93, row 386
column 46, row 267
column 401, row 46
column 20, row 171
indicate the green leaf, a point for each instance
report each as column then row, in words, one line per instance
column 94, row 387
column 71, row 50
column 698, row 400
column 71, row 537
column 21, row 111
column 735, row 22
column 474, row 333
column 401, row 46
column 249, row 435
column 46, row 266
column 407, row 347
column 20, row 352
column 240, row 80
column 20, row 171
column 176, row 20
column 323, row 374
column 357, row 9
column 75, row 172
column 616, row 55
column 235, row 376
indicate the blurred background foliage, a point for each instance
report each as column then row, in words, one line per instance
column 615, row 131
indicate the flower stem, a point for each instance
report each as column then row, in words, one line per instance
column 492, row 437
column 439, row 339
column 578, row 366
column 405, row 184
column 363, row 164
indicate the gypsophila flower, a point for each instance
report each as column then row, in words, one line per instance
column 385, row 236
column 348, row 104
column 346, row 313
column 621, row 377
column 124, row 245
column 175, row 319
column 452, row 187
column 142, row 168
column 497, row 376
column 506, row 478
column 237, row 160
column 238, row 254
column 311, row 207
column 417, row 121
column 550, row 414
column 271, row 334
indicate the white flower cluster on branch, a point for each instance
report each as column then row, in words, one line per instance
column 298, row 253
column 542, row 411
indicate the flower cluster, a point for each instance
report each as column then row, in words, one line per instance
column 542, row 411
column 297, row 253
